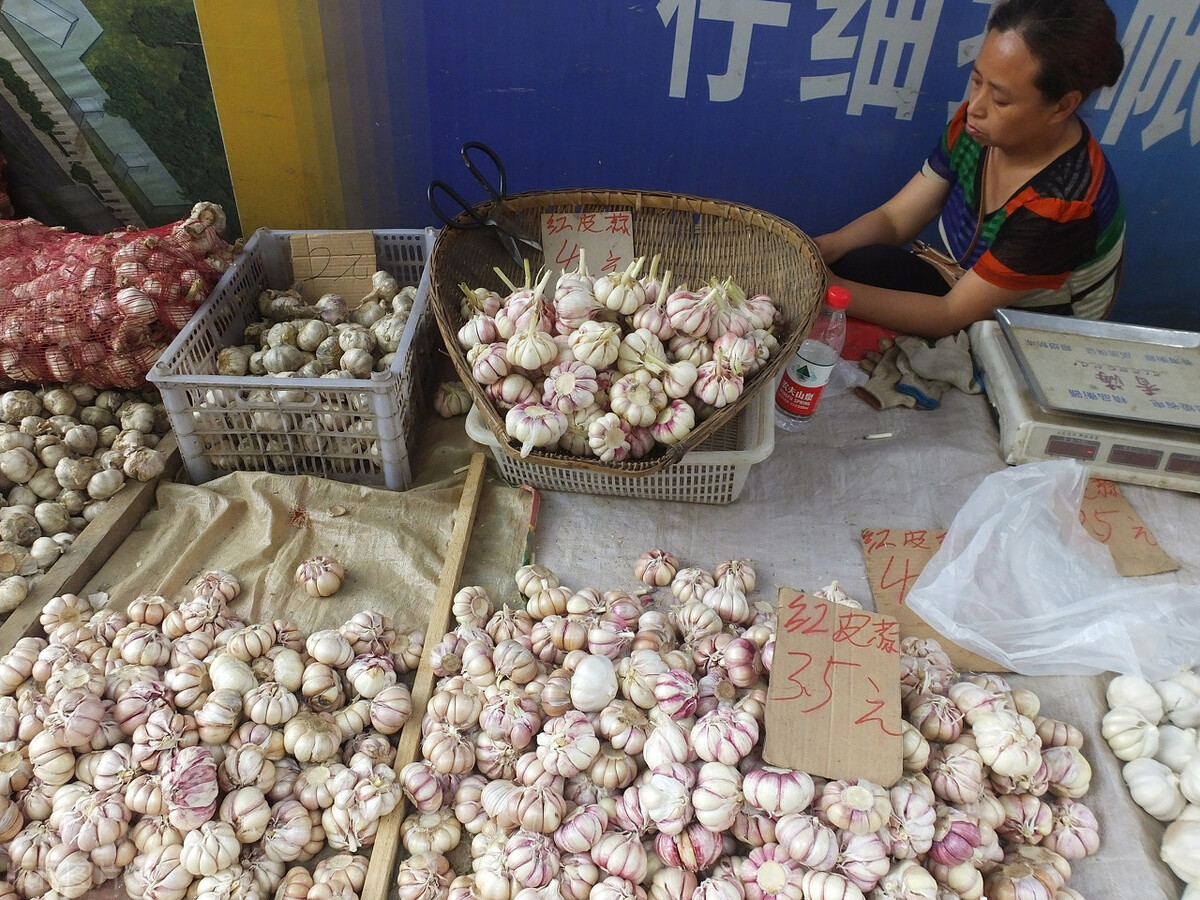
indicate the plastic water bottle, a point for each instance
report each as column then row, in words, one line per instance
column 807, row 373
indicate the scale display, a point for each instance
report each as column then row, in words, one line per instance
column 1126, row 450
column 1107, row 369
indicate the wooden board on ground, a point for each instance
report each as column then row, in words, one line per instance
column 384, row 851
column 91, row 548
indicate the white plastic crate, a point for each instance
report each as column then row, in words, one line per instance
column 715, row 472
column 348, row 429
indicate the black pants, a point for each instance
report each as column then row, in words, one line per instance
column 894, row 268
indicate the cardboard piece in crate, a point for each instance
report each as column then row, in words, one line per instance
column 333, row 262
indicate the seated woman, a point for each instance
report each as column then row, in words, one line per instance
column 1026, row 200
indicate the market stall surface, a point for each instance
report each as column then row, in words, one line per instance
column 799, row 520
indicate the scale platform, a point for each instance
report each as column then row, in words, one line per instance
column 1122, row 399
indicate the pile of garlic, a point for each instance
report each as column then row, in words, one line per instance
column 327, row 339
column 609, row 367
column 64, row 451
column 606, row 744
column 1153, row 727
column 190, row 754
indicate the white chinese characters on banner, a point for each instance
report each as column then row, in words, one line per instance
column 885, row 64
column 744, row 14
column 892, row 54
column 1162, row 43
column 888, row 71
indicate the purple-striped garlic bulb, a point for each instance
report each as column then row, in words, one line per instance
column 532, row 858
column 667, row 795
column 909, row 830
column 807, row 840
column 621, row 853
column 725, row 734
column 1074, row 831
column 778, row 791
column 656, row 568
column 675, row 692
column 955, row 837
column 695, row 848
column 669, row 740
column 862, row 859
column 671, row 883
column 717, row 798
column 935, row 716
column 581, row 828
column 190, row 787
column 956, row 773
column 770, row 874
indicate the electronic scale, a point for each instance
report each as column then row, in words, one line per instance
column 1122, row 399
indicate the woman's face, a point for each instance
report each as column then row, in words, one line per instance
column 1004, row 108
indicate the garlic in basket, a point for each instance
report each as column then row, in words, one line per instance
column 534, row 425
column 320, row 576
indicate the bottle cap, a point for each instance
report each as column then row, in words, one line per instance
column 837, row 297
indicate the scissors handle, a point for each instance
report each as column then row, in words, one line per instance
column 473, row 220
column 498, row 190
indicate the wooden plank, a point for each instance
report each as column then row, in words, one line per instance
column 384, row 851
column 91, row 548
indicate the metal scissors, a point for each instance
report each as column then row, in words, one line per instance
column 507, row 231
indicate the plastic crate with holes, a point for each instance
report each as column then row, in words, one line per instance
column 348, row 429
column 715, row 472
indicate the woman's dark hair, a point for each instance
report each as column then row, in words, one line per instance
column 1074, row 41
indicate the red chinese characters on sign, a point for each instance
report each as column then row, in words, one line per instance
column 841, row 636
column 606, row 239
column 896, row 557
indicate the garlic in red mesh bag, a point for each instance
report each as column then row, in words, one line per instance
column 101, row 308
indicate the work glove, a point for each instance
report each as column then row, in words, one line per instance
column 884, row 375
column 947, row 360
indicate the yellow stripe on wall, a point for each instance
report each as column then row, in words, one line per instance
column 271, row 87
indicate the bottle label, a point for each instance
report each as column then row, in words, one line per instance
column 801, row 387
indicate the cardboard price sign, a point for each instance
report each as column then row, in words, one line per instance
column 833, row 706
column 895, row 557
column 333, row 262
column 606, row 238
column 1109, row 518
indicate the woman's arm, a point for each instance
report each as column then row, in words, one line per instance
column 925, row 315
column 896, row 222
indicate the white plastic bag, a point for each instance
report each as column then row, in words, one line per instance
column 1019, row 581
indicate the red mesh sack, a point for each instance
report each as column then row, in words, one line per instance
column 100, row 309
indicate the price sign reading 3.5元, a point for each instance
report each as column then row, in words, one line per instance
column 833, row 708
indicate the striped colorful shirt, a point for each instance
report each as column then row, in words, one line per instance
column 1060, row 237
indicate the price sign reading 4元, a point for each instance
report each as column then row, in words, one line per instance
column 833, row 707
column 606, row 239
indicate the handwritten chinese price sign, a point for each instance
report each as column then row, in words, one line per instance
column 333, row 262
column 895, row 557
column 1109, row 518
column 605, row 237
column 833, row 707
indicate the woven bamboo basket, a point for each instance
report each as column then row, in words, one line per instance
column 698, row 238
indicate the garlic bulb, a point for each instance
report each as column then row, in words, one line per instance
column 320, row 576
